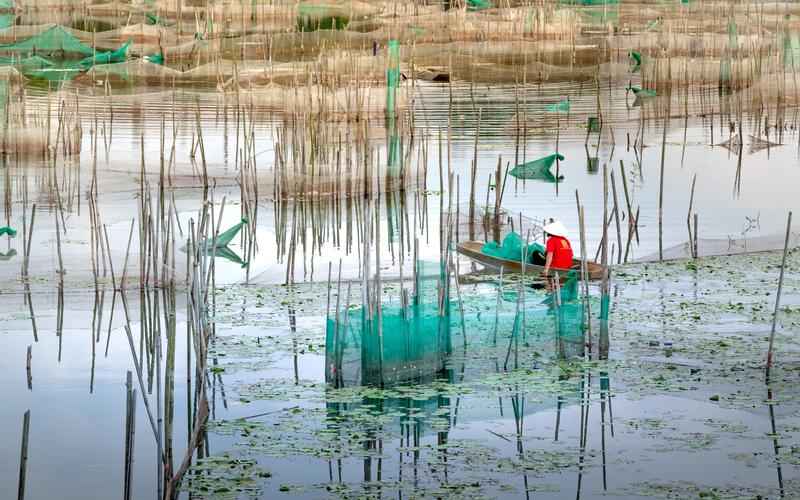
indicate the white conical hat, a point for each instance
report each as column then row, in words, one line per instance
column 556, row 228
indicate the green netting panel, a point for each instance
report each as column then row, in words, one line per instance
column 538, row 169
column 26, row 63
column 559, row 107
column 7, row 20
column 476, row 5
column 411, row 343
column 512, row 248
column 54, row 72
column 791, row 50
column 569, row 288
column 725, row 71
column 110, row 57
column 155, row 59
column 636, row 60
column 54, row 40
column 313, row 17
column 6, row 5
column 604, row 307
column 733, row 35
column 219, row 247
column 392, row 82
column 227, row 236
column 392, row 77
column 154, row 20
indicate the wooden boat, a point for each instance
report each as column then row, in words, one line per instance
column 472, row 249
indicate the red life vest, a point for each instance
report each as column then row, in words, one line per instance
column 562, row 252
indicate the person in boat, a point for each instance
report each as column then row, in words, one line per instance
column 558, row 249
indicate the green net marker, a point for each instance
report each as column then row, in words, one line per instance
column 476, row 5
column 733, row 35
column 226, row 237
column 155, row 59
column 10, row 231
column 559, row 107
column 593, row 124
column 636, row 60
column 115, row 56
column 392, row 77
column 538, row 169
column 219, row 247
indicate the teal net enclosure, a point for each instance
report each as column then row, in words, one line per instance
column 396, row 344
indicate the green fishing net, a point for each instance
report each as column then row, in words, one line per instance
column 55, row 40
column 155, row 59
column 313, row 17
column 636, row 60
column 512, row 248
column 562, row 106
column 399, row 344
column 115, row 56
column 219, row 247
column 419, row 341
column 476, row 5
column 538, row 169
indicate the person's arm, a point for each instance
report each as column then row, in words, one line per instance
column 548, row 261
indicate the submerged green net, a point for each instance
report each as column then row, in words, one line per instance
column 56, row 40
column 538, row 169
column 399, row 344
column 420, row 341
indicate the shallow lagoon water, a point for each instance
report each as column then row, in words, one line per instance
column 690, row 422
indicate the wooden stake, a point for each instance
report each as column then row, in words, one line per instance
column 23, row 455
column 778, row 296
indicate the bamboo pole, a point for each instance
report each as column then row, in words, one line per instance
column 23, row 455
column 778, row 296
